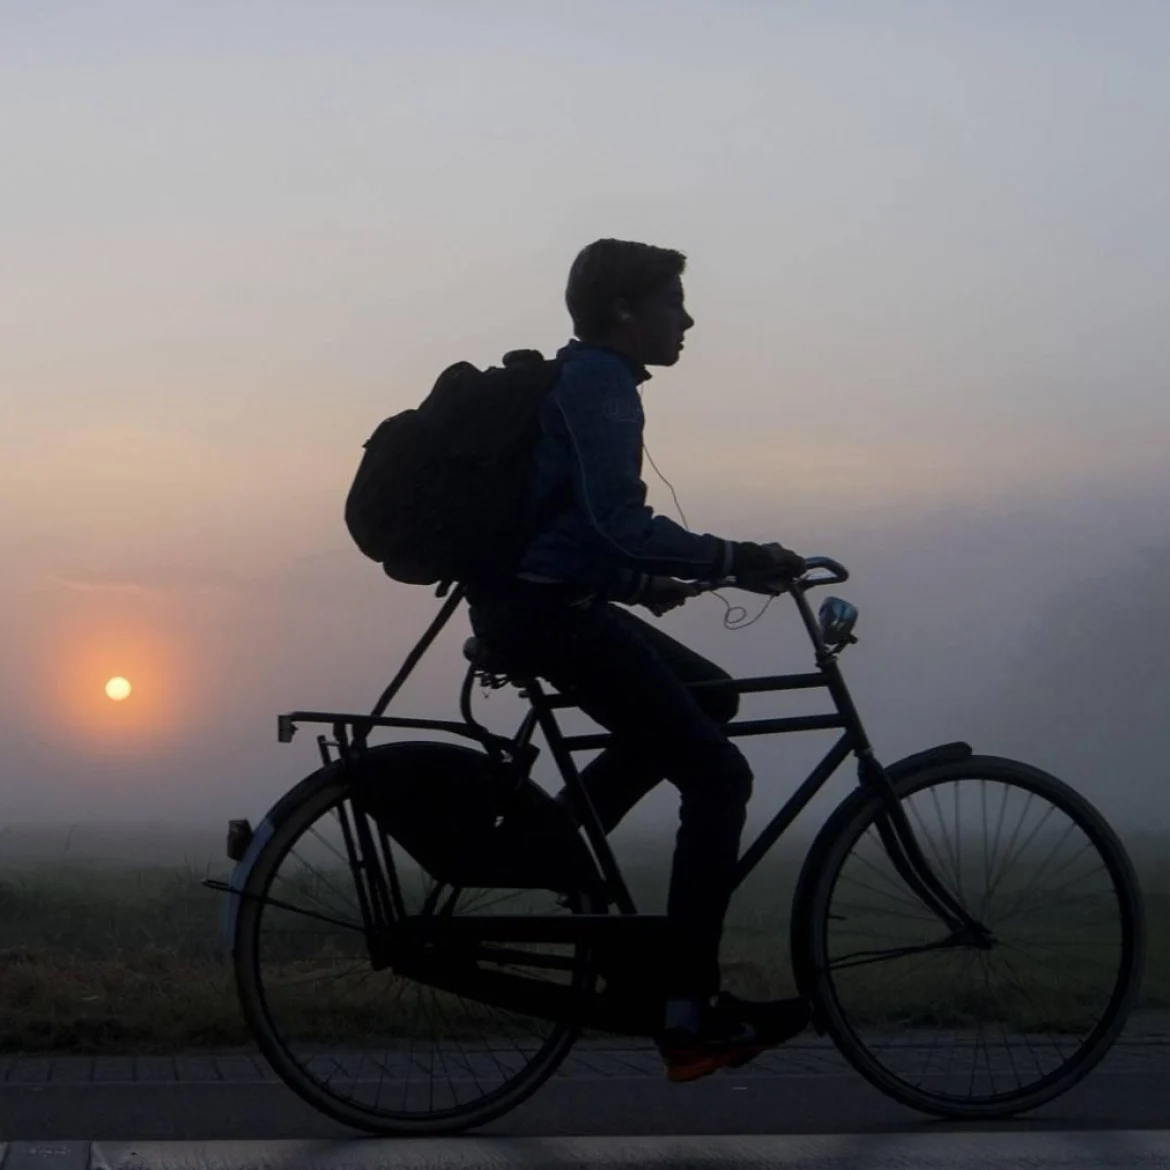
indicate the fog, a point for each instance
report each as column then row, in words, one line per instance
column 930, row 271
column 1038, row 634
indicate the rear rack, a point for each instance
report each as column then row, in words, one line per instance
column 340, row 721
column 361, row 725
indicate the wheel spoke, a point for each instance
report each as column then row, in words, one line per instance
column 965, row 1030
column 376, row 1048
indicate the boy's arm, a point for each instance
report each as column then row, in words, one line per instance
column 602, row 415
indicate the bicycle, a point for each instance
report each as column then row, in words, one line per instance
column 484, row 929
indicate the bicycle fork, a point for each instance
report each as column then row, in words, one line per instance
column 910, row 862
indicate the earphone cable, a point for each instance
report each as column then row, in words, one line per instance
column 729, row 622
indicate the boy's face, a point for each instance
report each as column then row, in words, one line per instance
column 658, row 322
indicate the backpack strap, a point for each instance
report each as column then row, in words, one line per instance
column 562, row 496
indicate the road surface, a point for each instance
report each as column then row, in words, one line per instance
column 602, row 1090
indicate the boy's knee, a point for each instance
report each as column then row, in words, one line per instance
column 737, row 778
column 717, row 789
column 719, row 703
column 728, row 776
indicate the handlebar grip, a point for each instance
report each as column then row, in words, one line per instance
column 838, row 570
column 835, row 570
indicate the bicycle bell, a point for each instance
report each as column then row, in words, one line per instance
column 837, row 618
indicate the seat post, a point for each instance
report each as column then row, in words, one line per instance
column 617, row 891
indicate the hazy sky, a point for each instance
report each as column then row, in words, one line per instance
column 931, row 273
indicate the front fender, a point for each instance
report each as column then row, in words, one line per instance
column 944, row 753
column 802, row 963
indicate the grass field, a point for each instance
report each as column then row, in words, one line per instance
column 97, row 956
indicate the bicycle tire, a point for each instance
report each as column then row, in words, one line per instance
column 322, row 797
column 811, row 931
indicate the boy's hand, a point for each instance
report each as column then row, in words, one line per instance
column 663, row 594
column 769, row 568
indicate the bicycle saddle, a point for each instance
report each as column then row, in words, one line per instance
column 484, row 657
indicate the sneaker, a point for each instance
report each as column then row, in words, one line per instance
column 776, row 1021
column 735, row 1032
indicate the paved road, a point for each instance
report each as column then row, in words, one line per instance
column 804, row 1088
column 1119, row 1150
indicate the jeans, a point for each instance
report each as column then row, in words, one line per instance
column 632, row 679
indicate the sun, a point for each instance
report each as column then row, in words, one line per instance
column 118, row 689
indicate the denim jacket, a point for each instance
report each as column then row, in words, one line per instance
column 591, row 444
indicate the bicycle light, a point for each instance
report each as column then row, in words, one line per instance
column 837, row 619
column 239, row 837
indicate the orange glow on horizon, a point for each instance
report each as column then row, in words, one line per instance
column 93, row 701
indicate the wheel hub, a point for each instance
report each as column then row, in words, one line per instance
column 975, row 936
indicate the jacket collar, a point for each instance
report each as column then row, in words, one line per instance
column 637, row 371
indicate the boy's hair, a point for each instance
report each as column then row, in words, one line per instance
column 610, row 270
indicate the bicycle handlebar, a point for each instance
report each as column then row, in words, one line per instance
column 837, row 574
column 837, row 570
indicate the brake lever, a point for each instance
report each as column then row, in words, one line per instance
column 767, row 588
column 777, row 588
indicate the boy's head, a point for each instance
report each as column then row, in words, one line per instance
column 629, row 297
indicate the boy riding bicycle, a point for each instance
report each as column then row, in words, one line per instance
column 556, row 618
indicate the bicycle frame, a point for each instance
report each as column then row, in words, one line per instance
column 380, row 901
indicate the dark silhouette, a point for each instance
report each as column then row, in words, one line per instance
column 557, row 618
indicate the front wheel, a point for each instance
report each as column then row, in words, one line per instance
column 942, row 1024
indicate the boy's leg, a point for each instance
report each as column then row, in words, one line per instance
column 628, row 680
column 619, row 777
column 617, row 677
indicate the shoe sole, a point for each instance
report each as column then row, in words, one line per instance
column 703, row 1067
column 736, row 1058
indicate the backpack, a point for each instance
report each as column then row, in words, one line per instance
column 441, row 493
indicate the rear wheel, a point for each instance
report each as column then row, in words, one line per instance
column 954, row 1029
column 372, row 1048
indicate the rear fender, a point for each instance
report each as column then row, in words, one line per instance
column 261, row 835
column 535, row 840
